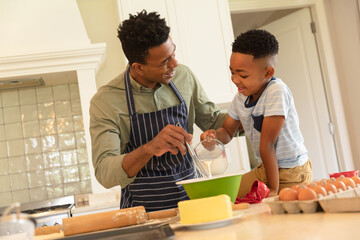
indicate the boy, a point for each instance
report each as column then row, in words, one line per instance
column 264, row 108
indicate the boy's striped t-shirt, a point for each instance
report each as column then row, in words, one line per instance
column 276, row 99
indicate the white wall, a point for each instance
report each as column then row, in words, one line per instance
column 343, row 16
column 40, row 30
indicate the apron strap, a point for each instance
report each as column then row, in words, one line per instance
column 172, row 85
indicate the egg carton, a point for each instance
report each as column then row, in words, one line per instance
column 345, row 201
column 330, row 203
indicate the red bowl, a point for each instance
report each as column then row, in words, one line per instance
column 346, row 174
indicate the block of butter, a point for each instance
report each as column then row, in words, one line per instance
column 205, row 209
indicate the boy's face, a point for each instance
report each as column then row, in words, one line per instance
column 249, row 76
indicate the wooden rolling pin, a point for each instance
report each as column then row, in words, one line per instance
column 163, row 214
column 104, row 220
column 47, row 230
column 151, row 215
column 240, row 206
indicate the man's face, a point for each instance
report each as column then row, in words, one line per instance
column 248, row 75
column 160, row 65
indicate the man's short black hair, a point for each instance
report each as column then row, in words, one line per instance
column 141, row 32
column 258, row 43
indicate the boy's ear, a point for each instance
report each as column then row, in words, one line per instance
column 269, row 72
column 137, row 68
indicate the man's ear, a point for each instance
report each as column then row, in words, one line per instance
column 137, row 68
column 269, row 72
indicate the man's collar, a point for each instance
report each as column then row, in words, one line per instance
column 135, row 84
column 138, row 87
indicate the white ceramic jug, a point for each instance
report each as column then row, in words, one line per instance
column 17, row 225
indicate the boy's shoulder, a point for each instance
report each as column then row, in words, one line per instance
column 277, row 84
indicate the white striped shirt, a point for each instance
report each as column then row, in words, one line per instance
column 276, row 99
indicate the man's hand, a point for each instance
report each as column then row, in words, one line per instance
column 170, row 139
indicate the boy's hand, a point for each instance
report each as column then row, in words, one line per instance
column 272, row 193
column 208, row 136
column 211, row 133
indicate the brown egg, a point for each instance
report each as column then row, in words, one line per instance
column 289, row 195
column 316, row 182
column 339, row 184
column 318, row 189
column 348, row 182
column 312, row 183
column 327, row 180
column 322, row 182
column 356, row 179
column 282, row 193
column 307, row 194
column 296, row 187
column 329, row 187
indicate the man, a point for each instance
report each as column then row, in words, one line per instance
column 135, row 141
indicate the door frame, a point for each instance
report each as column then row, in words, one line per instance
column 327, row 62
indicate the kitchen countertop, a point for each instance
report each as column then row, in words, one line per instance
column 259, row 224
column 264, row 225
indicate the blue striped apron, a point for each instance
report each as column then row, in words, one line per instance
column 155, row 186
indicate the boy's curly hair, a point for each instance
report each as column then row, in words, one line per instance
column 258, row 43
column 141, row 32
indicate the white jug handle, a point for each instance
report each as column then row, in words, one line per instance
column 8, row 210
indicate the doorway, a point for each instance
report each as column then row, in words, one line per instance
column 299, row 67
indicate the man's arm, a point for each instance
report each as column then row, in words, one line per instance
column 113, row 168
column 106, row 146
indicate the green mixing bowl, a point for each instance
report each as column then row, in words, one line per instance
column 207, row 187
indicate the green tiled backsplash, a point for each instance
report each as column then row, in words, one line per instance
column 42, row 144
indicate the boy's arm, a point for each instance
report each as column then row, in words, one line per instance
column 270, row 130
column 226, row 132
column 228, row 129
